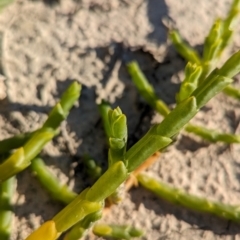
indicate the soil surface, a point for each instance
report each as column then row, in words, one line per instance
column 46, row 45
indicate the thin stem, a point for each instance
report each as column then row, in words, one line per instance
column 7, row 190
column 183, row 48
column 145, row 89
column 230, row 24
column 22, row 157
column 117, row 137
column 211, row 85
column 116, row 231
column 93, row 170
column 231, row 67
column 184, row 199
column 14, row 142
column 192, row 74
column 75, row 211
column 212, row 135
column 116, row 130
column 50, row 183
column 104, row 108
column 132, row 180
column 79, row 230
column 115, row 125
column 232, row 92
column 158, row 137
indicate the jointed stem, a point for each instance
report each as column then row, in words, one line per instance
column 158, row 137
column 231, row 91
column 216, row 42
column 6, row 145
column 80, row 228
column 116, row 231
column 211, row 135
column 132, row 180
column 22, row 157
column 207, row 134
column 183, row 48
column 184, row 199
column 146, row 90
column 57, row 191
column 7, row 189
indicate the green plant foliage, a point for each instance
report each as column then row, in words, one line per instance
column 179, row 197
column 202, row 82
column 217, row 81
column 93, row 170
column 215, row 43
column 7, row 190
column 213, row 136
column 80, row 228
column 51, row 183
column 145, row 89
column 158, row 137
column 183, row 48
column 190, row 82
column 116, row 232
column 118, row 136
column 22, row 156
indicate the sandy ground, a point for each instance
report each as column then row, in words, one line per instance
column 44, row 47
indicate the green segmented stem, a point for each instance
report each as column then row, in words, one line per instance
column 116, row 232
column 61, row 110
column 190, row 83
column 175, row 120
column 118, row 136
column 115, row 125
column 213, row 41
column 184, row 199
column 7, row 189
column 75, row 211
column 158, row 137
column 217, row 40
column 104, row 108
column 184, row 49
column 231, row 67
column 144, row 148
column 91, row 200
column 116, row 130
column 93, row 170
column 212, row 48
column 232, row 92
column 230, row 24
column 183, row 112
column 209, row 87
column 145, row 89
column 8, row 144
column 215, row 85
column 79, row 230
column 111, row 180
column 22, row 157
column 212, row 135
column 51, row 184
column 220, row 34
